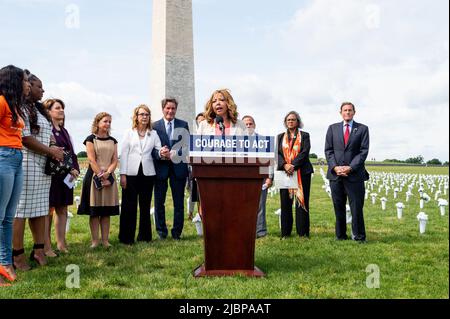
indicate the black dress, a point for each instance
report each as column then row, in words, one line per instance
column 60, row 194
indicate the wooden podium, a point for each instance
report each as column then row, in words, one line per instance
column 229, row 194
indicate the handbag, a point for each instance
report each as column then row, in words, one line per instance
column 98, row 182
column 56, row 168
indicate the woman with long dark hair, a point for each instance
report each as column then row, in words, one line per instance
column 34, row 201
column 14, row 86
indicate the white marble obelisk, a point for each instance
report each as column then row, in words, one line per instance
column 172, row 73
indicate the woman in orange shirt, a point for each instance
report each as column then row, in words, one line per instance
column 14, row 86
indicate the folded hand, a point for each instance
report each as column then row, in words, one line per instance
column 289, row 168
column 342, row 170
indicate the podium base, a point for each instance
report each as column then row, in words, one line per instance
column 202, row 272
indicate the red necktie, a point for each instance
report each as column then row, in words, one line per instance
column 347, row 134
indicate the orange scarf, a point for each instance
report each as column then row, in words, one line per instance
column 291, row 149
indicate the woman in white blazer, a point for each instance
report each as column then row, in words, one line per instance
column 221, row 104
column 137, row 176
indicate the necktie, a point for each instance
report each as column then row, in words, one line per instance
column 169, row 133
column 347, row 134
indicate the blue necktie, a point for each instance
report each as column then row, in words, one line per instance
column 169, row 133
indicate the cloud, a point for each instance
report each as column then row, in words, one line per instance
column 367, row 32
column 83, row 104
column 389, row 58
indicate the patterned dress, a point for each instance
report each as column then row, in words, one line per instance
column 103, row 202
column 34, row 200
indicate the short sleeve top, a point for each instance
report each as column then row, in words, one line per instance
column 44, row 135
column 92, row 137
column 10, row 133
column 104, row 149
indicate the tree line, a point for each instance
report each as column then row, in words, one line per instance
column 418, row 160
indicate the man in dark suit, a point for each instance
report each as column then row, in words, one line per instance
column 171, row 165
column 346, row 150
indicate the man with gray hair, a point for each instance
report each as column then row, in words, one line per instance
column 261, row 225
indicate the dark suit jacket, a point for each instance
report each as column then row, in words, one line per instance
column 302, row 161
column 180, row 144
column 353, row 155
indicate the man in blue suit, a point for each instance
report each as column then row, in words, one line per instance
column 346, row 150
column 171, row 166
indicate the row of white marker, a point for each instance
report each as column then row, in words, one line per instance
column 398, row 182
column 433, row 184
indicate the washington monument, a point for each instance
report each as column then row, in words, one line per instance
column 172, row 67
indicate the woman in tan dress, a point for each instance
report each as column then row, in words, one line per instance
column 99, row 196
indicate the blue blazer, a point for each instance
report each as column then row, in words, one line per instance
column 180, row 144
column 353, row 155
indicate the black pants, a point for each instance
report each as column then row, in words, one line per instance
column 340, row 190
column 141, row 187
column 301, row 216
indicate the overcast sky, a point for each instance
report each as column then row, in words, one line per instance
column 391, row 58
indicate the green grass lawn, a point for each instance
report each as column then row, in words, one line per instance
column 411, row 265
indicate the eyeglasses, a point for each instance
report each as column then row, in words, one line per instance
column 144, row 114
column 291, row 120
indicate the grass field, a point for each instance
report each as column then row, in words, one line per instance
column 411, row 265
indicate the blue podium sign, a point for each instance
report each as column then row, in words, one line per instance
column 256, row 146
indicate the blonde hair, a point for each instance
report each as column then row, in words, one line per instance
column 135, row 116
column 97, row 119
column 209, row 113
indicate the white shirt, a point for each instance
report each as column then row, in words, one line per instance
column 238, row 129
column 350, row 126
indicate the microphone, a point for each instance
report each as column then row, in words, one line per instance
column 219, row 120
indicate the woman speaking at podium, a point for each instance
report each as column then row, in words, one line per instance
column 221, row 116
